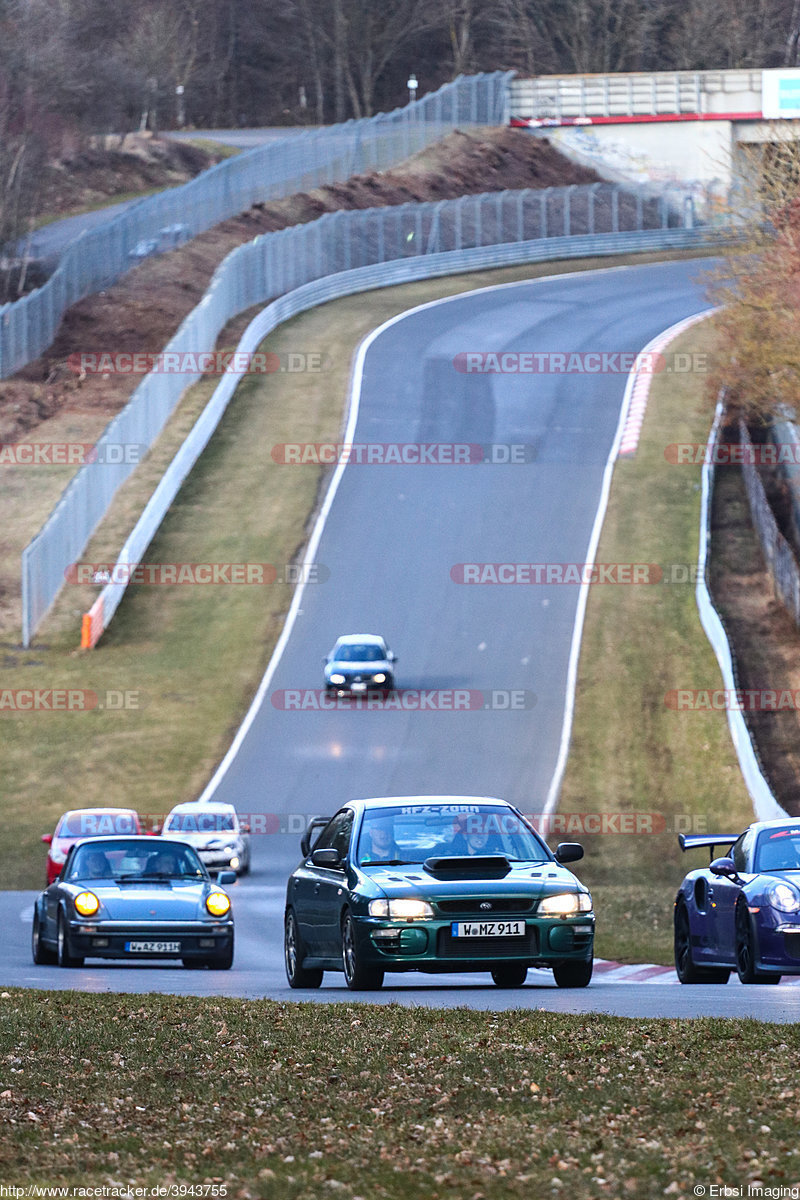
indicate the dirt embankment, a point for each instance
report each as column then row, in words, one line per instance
column 107, row 168
column 142, row 311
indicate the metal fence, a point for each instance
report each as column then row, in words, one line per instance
column 780, row 557
column 516, row 226
column 297, row 162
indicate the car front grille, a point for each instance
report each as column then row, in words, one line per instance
column 469, row 905
column 490, row 947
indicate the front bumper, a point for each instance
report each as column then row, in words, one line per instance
column 430, row 945
column 778, row 942
column 358, row 687
column 108, row 939
column 219, row 860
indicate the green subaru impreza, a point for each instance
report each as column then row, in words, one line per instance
column 436, row 884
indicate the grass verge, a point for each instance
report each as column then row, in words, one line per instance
column 631, row 752
column 305, row 1101
column 168, row 711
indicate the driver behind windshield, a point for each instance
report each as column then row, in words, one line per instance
column 163, row 863
column 472, row 837
column 377, row 840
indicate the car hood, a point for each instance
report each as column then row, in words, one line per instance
column 172, row 900
column 358, row 668
column 532, row 879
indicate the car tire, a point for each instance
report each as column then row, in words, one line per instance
column 511, row 975
column 745, row 951
column 685, row 967
column 293, row 955
column 359, row 976
column 63, row 956
column 42, row 956
column 221, row 962
column 573, row 974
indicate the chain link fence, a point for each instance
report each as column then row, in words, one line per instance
column 97, row 258
column 448, row 235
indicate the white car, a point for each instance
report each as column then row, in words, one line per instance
column 214, row 830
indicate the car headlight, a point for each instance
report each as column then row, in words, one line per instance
column 784, row 897
column 401, row 910
column 87, row 904
column 565, row 904
column 337, row 678
column 235, row 862
column 218, row 904
column 379, row 678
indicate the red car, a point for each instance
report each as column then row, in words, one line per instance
column 86, row 823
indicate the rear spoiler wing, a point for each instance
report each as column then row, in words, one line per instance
column 693, row 841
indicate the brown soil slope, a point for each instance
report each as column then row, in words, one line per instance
column 143, row 310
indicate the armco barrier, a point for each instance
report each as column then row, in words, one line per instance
column 295, row 163
column 765, row 805
column 347, row 283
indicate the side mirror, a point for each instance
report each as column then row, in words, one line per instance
column 392, row 656
column 326, row 858
column 244, row 826
column 225, row 878
column 724, row 867
column 567, row 852
column 305, row 840
column 47, row 838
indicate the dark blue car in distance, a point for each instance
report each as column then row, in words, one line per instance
column 742, row 912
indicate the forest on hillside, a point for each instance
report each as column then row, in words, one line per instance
column 73, row 68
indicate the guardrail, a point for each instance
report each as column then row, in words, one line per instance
column 412, row 241
column 100, row 256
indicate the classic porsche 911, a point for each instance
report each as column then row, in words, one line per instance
column 434, row 884
column 132, row 898
column 741, row 912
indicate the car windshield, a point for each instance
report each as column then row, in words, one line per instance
column 358, row 653
column 411, row 833
column 96, row 824
column 201, row 822
column 778, row 849
column 111, row 859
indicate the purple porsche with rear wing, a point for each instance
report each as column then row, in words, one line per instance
column 742, row 912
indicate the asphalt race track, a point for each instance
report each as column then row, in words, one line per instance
column 389, row 542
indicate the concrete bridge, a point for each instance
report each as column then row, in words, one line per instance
column 695, row 128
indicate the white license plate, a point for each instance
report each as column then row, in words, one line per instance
column 485, row 929
column 153, row 947
column 358, row 687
